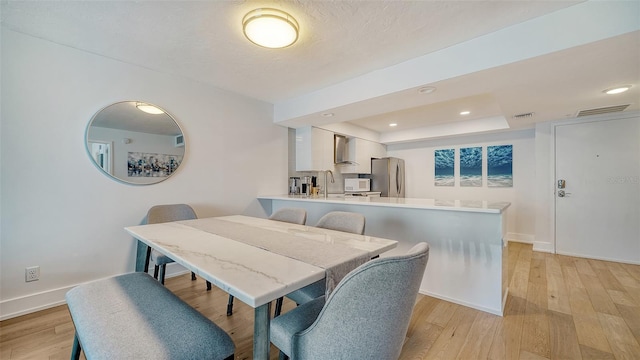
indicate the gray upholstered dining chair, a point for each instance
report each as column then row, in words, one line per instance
column 290, row 215
column 343, row 221
column 161, row 214
column 365, row 317
column 336, row 220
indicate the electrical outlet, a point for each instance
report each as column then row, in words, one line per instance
column 32, row 273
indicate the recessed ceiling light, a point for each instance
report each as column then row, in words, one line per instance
column 426, row 90
column 149, row 109
column 328, row 114
column 393, row 124
column 465, row 112
column 270, row 28
column 617, row 90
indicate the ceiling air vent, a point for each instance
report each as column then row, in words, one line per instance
column 602, row 110
column 523, row 116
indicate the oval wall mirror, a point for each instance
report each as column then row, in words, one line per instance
column 135, row 142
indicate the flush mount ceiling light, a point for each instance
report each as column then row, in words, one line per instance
column 393, row 124
column 270, row 28
column 149, row 109
column 465, row 112
column 617, row 90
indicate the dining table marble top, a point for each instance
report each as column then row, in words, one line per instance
column 258, row 260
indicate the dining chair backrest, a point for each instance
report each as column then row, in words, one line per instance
column 172, row 212
column 161, row 214
column 343, row 221
column 368, row 313
column 290, row 215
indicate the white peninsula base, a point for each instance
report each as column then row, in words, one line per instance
column 468, row 256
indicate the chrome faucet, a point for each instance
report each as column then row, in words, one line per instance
column 326, row 191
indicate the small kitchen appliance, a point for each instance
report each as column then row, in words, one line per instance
column 352, row 185
column 359, row 187
column 294, row 185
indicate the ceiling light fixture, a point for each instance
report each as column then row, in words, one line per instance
column 617, row 90
column 465, row 112
column 149, row 109
column 270, row 28
column 393, row 124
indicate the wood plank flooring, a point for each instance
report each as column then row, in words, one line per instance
column 559, row 307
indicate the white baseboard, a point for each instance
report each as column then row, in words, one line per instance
column 543, row 247
column 31, row 303
column 34, row 302
column 598, row 258
column 497, row 311
column 531, row 239
column 521, row 238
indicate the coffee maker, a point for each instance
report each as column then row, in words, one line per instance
column 306, row 186
column 294, row 185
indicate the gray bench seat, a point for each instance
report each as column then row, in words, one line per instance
column 132, row 316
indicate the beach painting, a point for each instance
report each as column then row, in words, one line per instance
column 444, row 161
column 500, row 166
column 471, row 166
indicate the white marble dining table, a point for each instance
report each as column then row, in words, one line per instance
column 258, row 260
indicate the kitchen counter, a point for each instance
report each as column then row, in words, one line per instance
column 415, row 203
column 467, row 257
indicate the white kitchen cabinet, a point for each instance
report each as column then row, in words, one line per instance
column 361, row 151
column 314, row 149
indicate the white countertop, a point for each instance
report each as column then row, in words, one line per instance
column 415, row 203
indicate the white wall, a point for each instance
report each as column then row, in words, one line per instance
column 61, row 213
column 419, row 164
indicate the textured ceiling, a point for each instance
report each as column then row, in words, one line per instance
column 339, row 41
column 203, row 40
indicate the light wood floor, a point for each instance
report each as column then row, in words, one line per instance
column 559, row 307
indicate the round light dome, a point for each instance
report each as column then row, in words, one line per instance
column 270, row 28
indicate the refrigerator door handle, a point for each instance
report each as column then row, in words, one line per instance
column 398, row 179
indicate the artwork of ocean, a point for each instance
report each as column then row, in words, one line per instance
column 471, row 166
column 444, row 161
column 500, row 166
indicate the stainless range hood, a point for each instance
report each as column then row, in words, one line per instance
column 341, row 150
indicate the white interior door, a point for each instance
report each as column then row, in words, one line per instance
column 599, row 214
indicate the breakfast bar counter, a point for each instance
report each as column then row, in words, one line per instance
column 467, row 262
column 412, row 203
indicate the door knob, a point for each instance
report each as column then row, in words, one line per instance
column 562, row 193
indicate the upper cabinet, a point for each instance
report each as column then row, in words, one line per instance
column 314, row 149
column 361, row 151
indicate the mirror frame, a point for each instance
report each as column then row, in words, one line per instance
column 88, row 141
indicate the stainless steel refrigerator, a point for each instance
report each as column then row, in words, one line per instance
column 387, row 176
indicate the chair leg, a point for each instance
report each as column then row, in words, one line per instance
column 156, row 269
column 208, row 286
column 193, row 276
column 146, row 260
column 230, row 306
column 76, row 349
column 163, row 270
column 278, row 309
